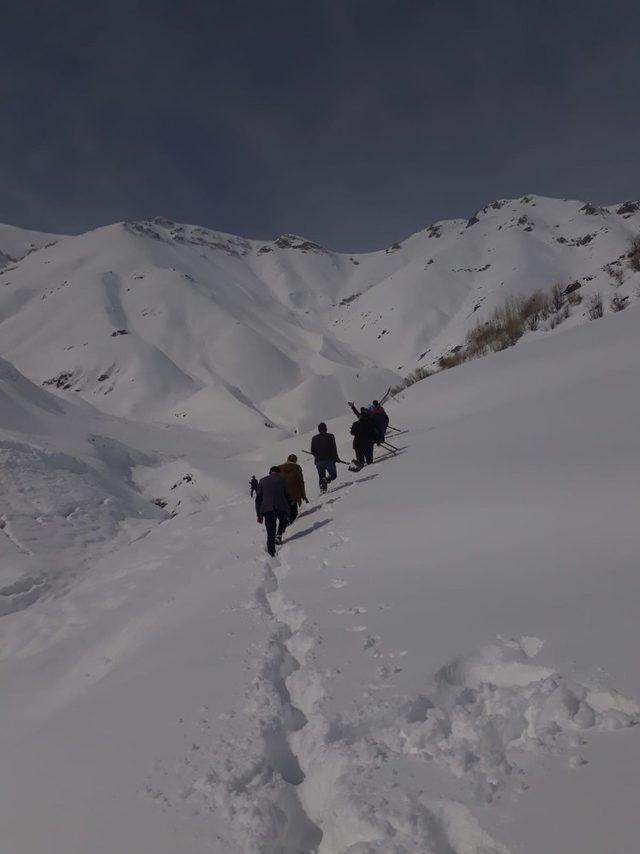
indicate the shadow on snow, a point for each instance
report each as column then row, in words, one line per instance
column 310, row 530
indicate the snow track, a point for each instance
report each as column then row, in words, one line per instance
column 313, row 781
column 258, row 779
column 289, row 648
column 308, row 790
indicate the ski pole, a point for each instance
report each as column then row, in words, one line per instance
column 338, row 461
column 385, row 396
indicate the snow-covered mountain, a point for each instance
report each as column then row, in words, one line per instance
column 168, row 322
column 444, row 650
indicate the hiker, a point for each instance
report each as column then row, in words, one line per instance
column 325, row 454
column 294, row 478
column 272, row 507
column 377, row 413
column 380, row 419
column 365, row 436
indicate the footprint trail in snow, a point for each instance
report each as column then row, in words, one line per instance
column 304, row 780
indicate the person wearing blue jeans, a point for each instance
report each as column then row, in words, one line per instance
column 326, row 473
column 325, row 455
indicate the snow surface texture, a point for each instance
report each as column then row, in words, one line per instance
column 442, row 658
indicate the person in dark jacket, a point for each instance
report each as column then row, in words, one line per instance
column 294, row 478
column 365, row 436
column 380, row 419
column 325, row 455
column 272, row 507
column 377, row 413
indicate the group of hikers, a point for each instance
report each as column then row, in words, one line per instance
column 280, row 494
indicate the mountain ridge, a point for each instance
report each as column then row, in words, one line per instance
column 165, row 321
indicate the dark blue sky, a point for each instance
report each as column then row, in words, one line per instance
column 354, row 122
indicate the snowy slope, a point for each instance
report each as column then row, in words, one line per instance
column 442, row 658
column 58, row 497
column 168, row 323
column 17, row 243
column 416, row 300
column 175, row 323
column 76, row 483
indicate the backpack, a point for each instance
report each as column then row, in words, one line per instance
column 380, row 417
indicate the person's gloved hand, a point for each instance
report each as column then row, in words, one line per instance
column 260, row 520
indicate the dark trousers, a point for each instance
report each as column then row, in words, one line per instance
column 275, row 523
column 326, row 472
column 293, row 512
column 364, row 453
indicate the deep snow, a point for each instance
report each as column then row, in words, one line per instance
column 443, row 658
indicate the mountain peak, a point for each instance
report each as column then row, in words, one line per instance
column 295, row 241
column 159, row 228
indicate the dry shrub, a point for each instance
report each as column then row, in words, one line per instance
column 557, row 296
column 634, row 254
column 417, row 375
column 535, row 308
column 618, row 303
column 503, row 340
column 450, row 360
column 558, row 316
column 478, row 339
column 510, row 322
column 617, row 276
column 414, row 377
column 594, row 307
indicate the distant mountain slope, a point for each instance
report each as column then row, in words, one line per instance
column 66, row 492
column 418, row 298
column 16, row 243
column 162, row 321
column 76, row 483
